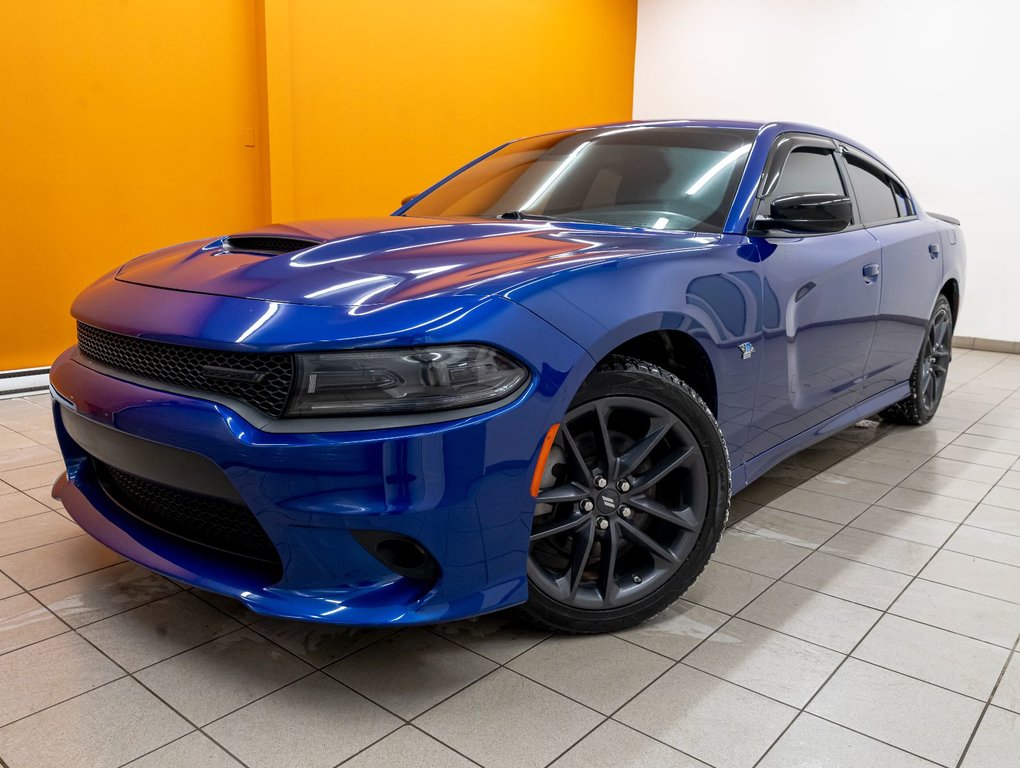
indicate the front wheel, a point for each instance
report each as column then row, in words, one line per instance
column 928, row 380
column 633, row 501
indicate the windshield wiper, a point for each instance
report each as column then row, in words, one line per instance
column 525, row 215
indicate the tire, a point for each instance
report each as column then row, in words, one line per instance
column 633, row 502
column 928, row 379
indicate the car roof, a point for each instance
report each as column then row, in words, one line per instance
column 758, row 126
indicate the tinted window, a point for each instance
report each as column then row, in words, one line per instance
column 645, row 176
column 808, row 170
column 903, row 205
column 874, row 192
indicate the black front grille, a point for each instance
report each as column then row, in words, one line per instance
column 261, row 380
column 202, row 520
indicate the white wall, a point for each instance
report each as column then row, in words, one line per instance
column 931, row 86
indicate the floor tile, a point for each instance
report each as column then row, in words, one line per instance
column 872, row 701
column 61, row 560
column 11, row 440
column 964, row 665
column 613, row 745
column 600, row 671
column 990, row 545
column 23, row 620
column 196, row 750
column 37, row 476
column 408, row 747
column 820, row 619
column 905, row 525
column 975, row 574
column 921, row 503
column 977, row 616
column 324, row 723
column 677, row 630
column 940, row 465
column 819, row 505
column 1011, row 447
column 857, row 582
column 759, row 554
column 725, row 588
column 410, row 671
column 496, row 636
column 34, row 531
column 318, row 644
column 103, row 593
column 954, row 487
column 101, row 729
column 214, row 679
column 664, row 711
column 529, row 728
column 990, row 518
column 8, row 587
column 847, row 487
column 881, row 551
column 156, row 631
column 779, row 666
column 1010, row 480
column 23, row 456
column 873, row 471
column 996, row 740
column 788, row 527
column 977, row 456
column 49, row 672
column 1007, row 695
column 44, row 497
column 14, row 506
column 235, row 609
column 815, row 743
column 1009, row 498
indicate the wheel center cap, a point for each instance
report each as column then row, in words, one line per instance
column 608, row 502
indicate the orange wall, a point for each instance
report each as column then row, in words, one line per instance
column 124, row 123
column 122, row 129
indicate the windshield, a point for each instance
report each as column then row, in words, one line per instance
column 641, row 176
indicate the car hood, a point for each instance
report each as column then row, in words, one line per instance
column 368, row 262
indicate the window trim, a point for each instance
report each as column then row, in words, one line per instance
column 848, row 150
column 782, row 147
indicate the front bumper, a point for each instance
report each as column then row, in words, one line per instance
column 460, row 489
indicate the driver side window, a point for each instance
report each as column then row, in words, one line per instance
column 807, row 170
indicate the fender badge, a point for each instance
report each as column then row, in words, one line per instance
column 746, row 350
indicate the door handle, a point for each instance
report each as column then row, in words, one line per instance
column 934, row 250
column 870, row 272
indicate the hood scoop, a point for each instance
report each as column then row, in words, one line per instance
column 265, row 245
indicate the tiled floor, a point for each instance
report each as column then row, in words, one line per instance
column 862, row 610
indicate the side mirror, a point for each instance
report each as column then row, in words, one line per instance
column 812, row 213
column 408, row 199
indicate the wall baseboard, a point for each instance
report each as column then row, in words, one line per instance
column 27, row 381
column 986, row 345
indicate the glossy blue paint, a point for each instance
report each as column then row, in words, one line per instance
column 830, row 347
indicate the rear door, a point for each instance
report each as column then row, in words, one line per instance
column 826, row 292
column 911, row 273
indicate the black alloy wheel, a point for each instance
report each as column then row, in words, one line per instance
column 928, row 380
column 632, row 503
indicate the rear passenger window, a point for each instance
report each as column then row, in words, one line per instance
column 874, row 192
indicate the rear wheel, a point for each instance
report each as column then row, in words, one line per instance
column 632, row 504
column 928, row 380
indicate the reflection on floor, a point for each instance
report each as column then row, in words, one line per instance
column 862, row 610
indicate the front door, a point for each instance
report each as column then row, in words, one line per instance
column 825, row 290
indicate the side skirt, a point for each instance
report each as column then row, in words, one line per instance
column 751, row 470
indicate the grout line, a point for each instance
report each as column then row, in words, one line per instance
column 988, row 703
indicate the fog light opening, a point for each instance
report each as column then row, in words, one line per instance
column 401, row 554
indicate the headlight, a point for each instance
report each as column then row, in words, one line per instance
column 403, row 380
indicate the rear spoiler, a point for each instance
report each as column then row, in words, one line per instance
column 943, row 217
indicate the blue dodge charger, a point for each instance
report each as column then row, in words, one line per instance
column 537, row 383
